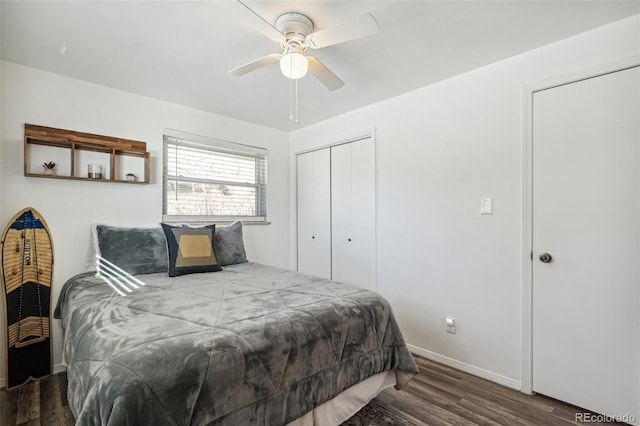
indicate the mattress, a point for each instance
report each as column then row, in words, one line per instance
column 252, row 344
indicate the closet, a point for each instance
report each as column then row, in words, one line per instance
column 336, row 213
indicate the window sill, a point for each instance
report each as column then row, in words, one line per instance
column 247, row 222
column 244, row 222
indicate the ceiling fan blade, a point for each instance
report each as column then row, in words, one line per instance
column 359, row 27
column 265, row 26
column 254, row 65
column 324, row 74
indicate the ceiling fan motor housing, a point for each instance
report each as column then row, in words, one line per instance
column 296, row 27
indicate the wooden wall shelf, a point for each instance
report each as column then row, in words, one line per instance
column 115, row 149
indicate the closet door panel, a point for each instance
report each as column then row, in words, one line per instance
column 314, row 210
column 353, row 213
column 321, row 194
column 305, row 206
column 341, row 213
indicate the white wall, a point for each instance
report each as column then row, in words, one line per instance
column 439, row 150
column 69, row 207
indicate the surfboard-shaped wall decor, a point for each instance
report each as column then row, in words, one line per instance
column 27, row 271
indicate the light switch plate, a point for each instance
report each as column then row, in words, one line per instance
column 486, row 206
column 451, row 325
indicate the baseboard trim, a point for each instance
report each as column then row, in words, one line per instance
column 57, row 368
column 467, row 368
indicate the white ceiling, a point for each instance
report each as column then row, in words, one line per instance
column 179, row 51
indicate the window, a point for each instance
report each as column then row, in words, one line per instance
column 213, row 181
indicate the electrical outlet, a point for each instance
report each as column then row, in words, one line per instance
column 451, row 325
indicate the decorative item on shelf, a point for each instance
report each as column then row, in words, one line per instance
column 131, row 177
column 49, row 168
column 95, row 171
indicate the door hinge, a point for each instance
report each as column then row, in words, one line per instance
column 531, row 255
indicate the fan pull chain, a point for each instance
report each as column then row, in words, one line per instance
column 296, row 104
column 293, row 101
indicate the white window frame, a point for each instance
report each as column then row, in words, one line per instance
column 171, row 136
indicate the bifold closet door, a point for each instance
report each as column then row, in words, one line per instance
column 314, row 213
column 353, row 213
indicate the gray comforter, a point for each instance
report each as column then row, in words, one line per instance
column 252, row 344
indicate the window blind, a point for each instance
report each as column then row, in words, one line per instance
column 209, row 182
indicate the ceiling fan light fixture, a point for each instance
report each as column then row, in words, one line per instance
column 294, row 65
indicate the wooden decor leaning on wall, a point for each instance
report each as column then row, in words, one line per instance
column 27, row 271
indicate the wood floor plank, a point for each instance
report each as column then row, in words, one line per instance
column 34, row 422
column 520, row 411
column 447, row 401
column 28, row 402
column 487, row 386
column 62, row 387
column 448, row 385
column 8, row 407
column 438, row 376
column 482, row 391
column 418, row 412
column 60, row 417
column 435, row 395
column 50, row 400
column 493, row 413
column 566, row 411
column 475, row 416
column 429, row 365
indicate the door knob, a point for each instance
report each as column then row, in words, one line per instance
column 545, row 258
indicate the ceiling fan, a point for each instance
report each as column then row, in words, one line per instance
column 294, row 32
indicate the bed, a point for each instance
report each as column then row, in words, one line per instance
column 251, row 344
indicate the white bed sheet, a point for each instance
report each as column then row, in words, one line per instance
column 347, row 403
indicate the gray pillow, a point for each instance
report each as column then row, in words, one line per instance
column 229, row 244
column 135, row 250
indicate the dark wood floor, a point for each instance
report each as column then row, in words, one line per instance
column 37, row 403
column 439, row 395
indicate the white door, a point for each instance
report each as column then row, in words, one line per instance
column 314, row 213
column 586, row 304
column 353, row 213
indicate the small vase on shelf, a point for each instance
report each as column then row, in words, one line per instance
column 49, row 168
